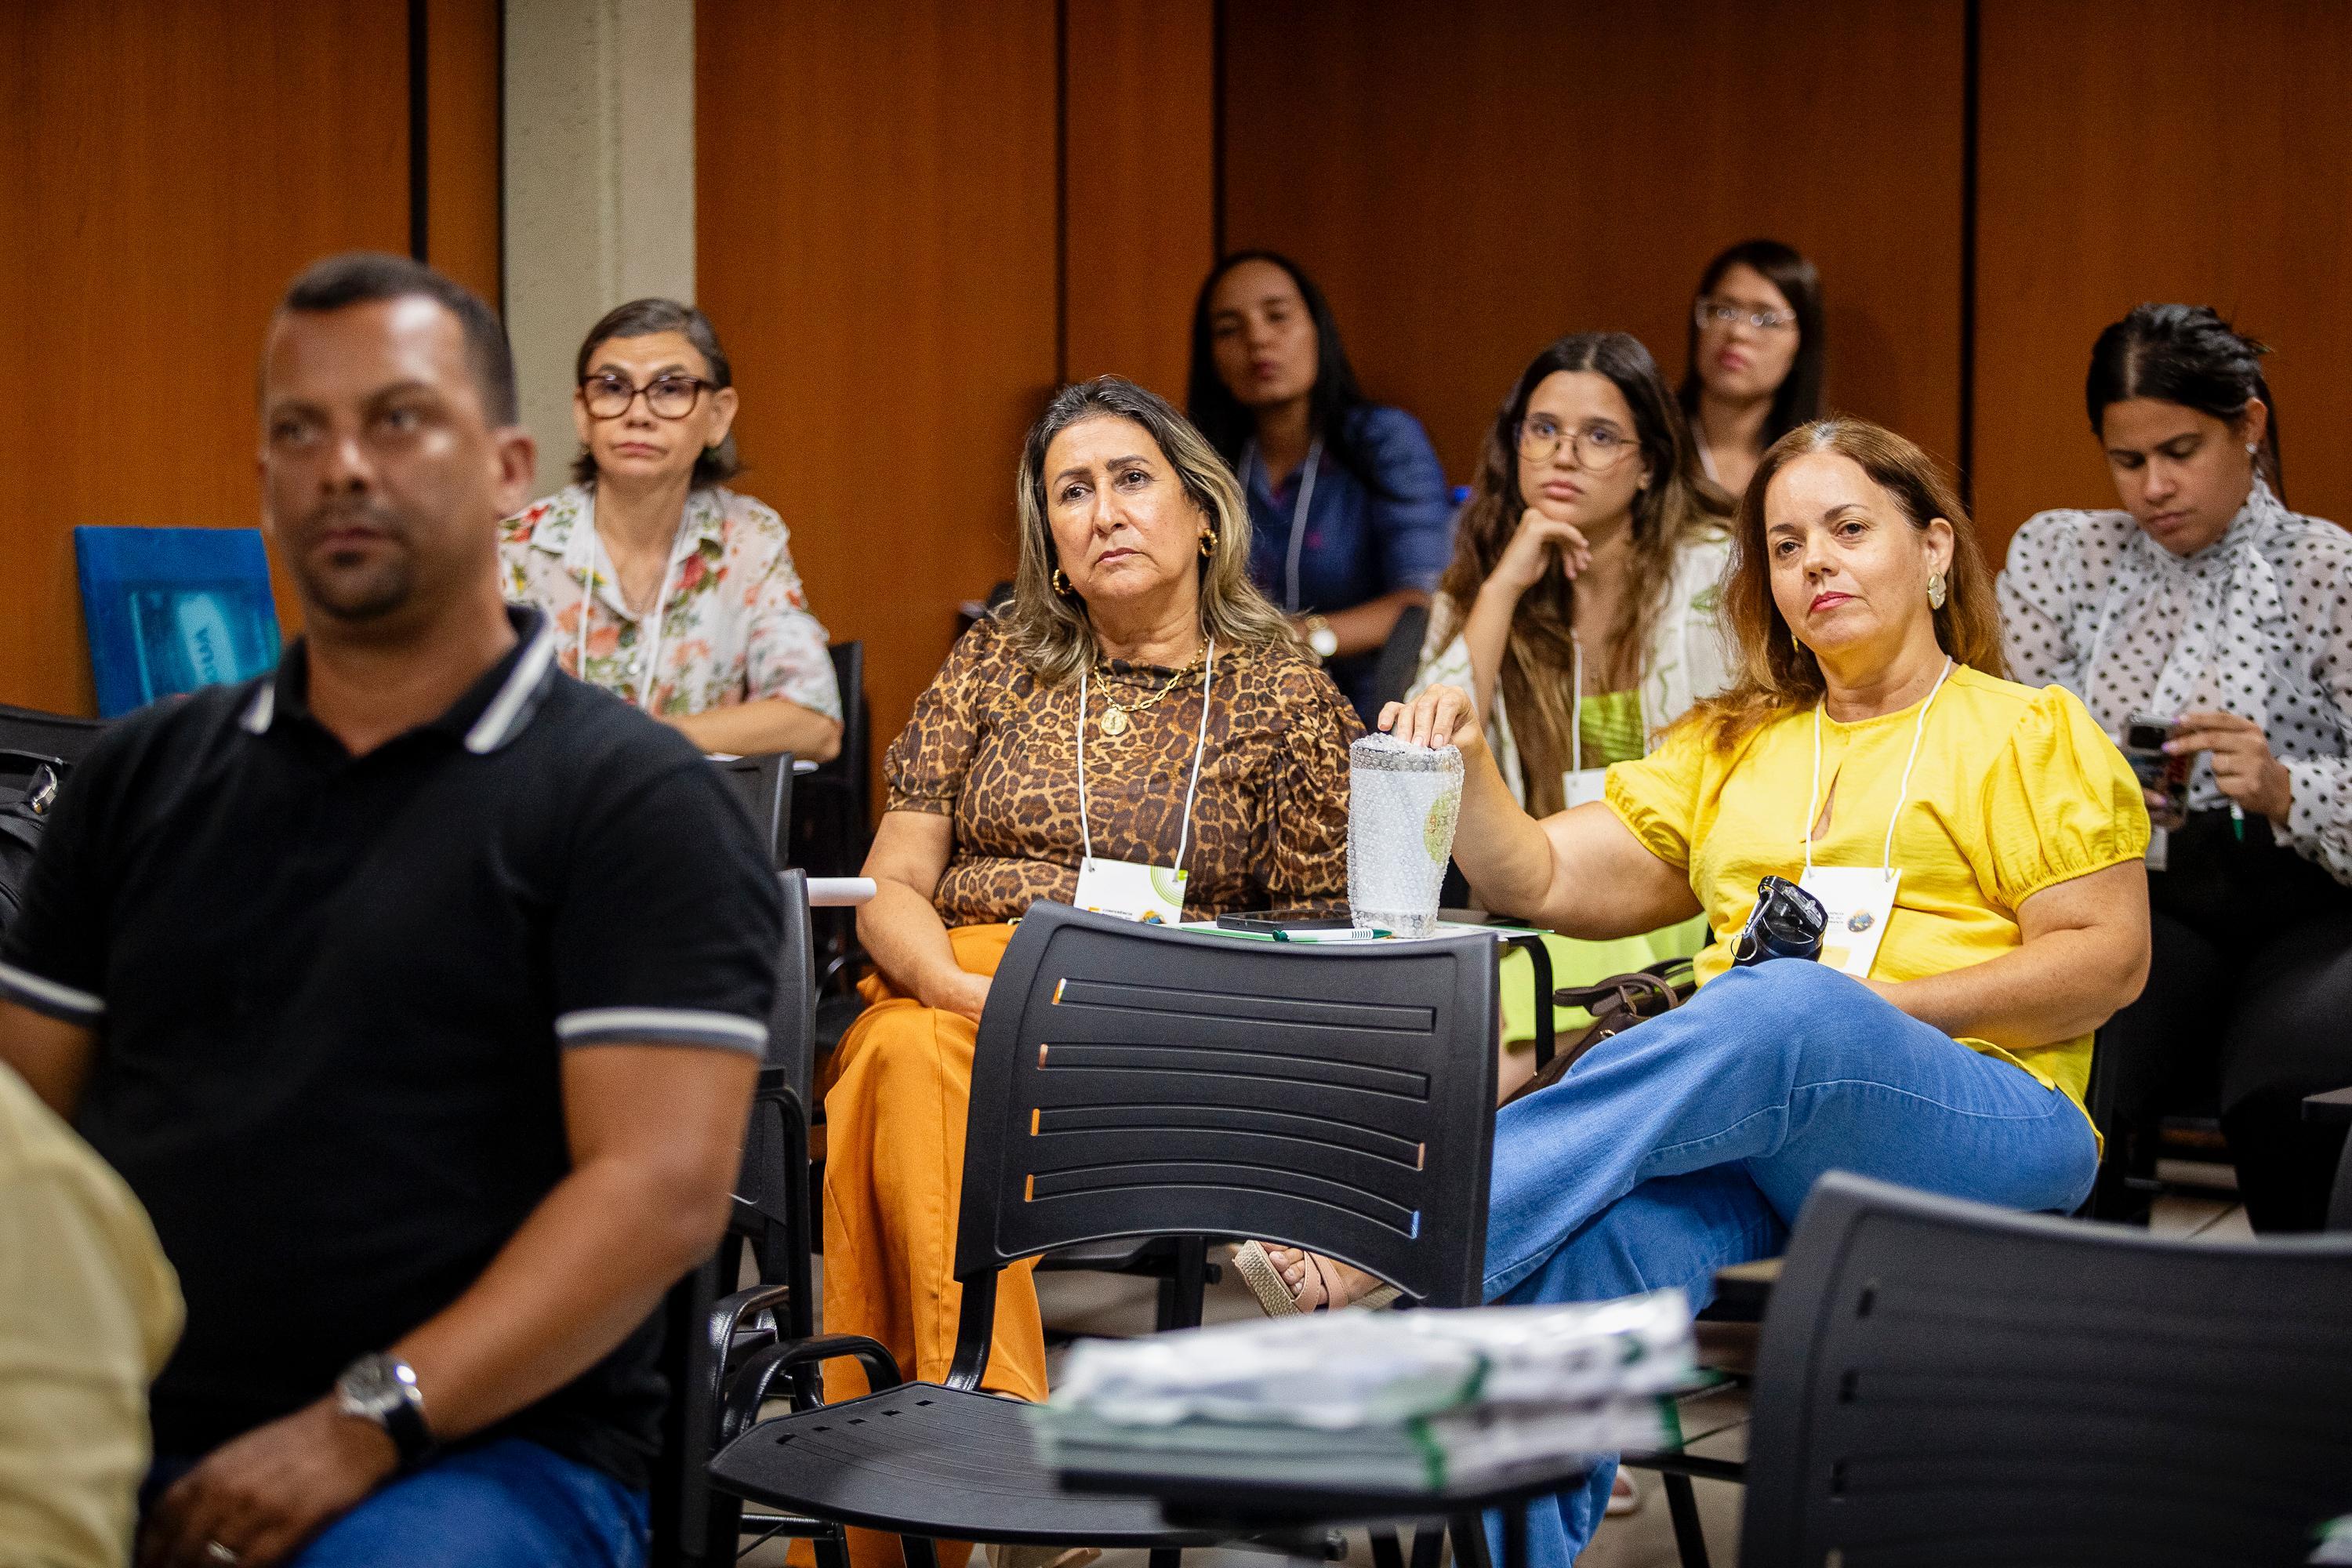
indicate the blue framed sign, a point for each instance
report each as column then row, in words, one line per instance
column 173, row 609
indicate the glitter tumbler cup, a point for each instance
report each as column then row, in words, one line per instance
column 1403, row 801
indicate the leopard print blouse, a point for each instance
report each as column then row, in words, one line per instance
column 995, row 750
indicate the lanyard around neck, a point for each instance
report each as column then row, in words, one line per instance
column 1298, row 510
column 1576, row 707
column 1903, row 793
column 1200, row 749
column 593, row 553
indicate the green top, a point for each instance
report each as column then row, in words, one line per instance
column 1610, row 729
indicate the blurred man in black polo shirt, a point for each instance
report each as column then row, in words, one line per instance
column 417, row 990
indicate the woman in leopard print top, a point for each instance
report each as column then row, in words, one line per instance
column 1134, row 550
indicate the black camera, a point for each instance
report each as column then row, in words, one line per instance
column 1788, row 922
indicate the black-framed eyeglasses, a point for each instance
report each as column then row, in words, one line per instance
column 1598, row 447
column 1724, row 314
column 669, row 396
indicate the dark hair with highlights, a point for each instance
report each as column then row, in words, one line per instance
column 1678, row 501
column 1778, row 674
column 643, row 319
column 367, row 276
column 2186, row 354
column 1799, row 398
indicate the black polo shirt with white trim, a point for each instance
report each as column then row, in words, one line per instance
column 331, row 995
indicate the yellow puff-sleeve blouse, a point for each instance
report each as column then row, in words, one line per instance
column 2015, row 789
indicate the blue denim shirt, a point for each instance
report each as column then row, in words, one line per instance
column 1358, row 545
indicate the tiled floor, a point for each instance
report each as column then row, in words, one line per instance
column 1103, row 1304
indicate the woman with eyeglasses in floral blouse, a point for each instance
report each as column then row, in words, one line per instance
column 665, row 587
column 1754, row 373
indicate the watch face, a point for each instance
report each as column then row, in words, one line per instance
column 1325, row 642
column 371, row 1387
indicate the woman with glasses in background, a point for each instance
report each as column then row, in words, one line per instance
column 1754, row 369
column 665, row 587
column 1581, row 608
column 1351, row 516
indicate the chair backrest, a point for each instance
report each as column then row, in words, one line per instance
column 1399, row 658
column 57, row 735
column 834, row 823
column 1138, row 1081
column 791, row 1019
column 1941, row 1382
column 765, row 785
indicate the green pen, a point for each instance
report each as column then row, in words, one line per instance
column 2238, row 821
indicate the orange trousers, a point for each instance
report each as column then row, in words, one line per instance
column 896, row 1091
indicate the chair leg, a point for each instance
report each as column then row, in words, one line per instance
column 1387, row 1551
column 917, row 1551
column 1682, row 1506
column 1167, row 1557
column 832, row 1548
column 1428, row 1545
column 1469, row 1531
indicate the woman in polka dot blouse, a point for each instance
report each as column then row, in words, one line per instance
column 2206, row 603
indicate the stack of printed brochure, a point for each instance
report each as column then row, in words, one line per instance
column 1356, row 1401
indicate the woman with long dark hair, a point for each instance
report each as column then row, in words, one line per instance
column 1753, row 371
column 2208, row 612
column 1351, row 512
column 1579, row 611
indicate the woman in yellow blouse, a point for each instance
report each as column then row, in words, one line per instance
column 1978, row 844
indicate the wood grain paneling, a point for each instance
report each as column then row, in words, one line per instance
column 1469, row 182
column 1138, row 118
column 461, row 143
column 165, row 167
column 874, row 233
column 2134, row 150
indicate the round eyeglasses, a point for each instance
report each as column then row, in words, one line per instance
column 1724, row 314
column 669, row 396
column 1598, row 447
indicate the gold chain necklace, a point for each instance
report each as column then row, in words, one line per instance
column 1116, row 715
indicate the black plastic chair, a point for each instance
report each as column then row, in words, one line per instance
column 2335, row 1108
column 59, row 736
column 1943, row 1383
column 1399, row 658
column 712, row 1326
column 765, row 785
column 1134, row 1080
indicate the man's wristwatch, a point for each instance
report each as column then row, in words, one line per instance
column 383, row 1389
column 1320, row 636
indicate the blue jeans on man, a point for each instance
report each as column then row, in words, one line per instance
column 1690, row 1142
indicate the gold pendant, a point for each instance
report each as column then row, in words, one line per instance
column 1114, row 722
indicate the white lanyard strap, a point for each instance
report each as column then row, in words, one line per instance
column 1576, row 708
column 1199, row 750
column 595, row 553
column 1902, row 793
column 1298, row 510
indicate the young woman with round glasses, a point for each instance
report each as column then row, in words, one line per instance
column 1580, row 606
column 666, row 587
column 1754, row 368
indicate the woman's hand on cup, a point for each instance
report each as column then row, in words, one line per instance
column 1532, row 545
column 1440, row 716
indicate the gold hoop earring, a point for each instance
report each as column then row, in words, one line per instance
column 1061, row 584
column 1208, row 545
column 1936, row 591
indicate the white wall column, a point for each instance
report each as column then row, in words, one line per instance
column 599, row 184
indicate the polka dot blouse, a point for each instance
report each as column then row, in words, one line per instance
column 2259, row 623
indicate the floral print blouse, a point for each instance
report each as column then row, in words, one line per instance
column 735, row 626
column 2258, row 624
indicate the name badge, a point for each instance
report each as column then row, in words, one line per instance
column 1580, row 786
column 1860, row 900
column 1153, row 895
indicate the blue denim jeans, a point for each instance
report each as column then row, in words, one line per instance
column 1690, row 1142
column 507, row 1504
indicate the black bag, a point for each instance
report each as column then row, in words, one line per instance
column 29, row 789
column 1617, row 1003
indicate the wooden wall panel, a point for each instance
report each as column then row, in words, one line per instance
column 463, row 219
column 874, row 233
column 165, row 167
column 2181, row 150
column 1138, row 118
column 1468, row 181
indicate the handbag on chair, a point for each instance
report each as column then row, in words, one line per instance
column 1616, row 1003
